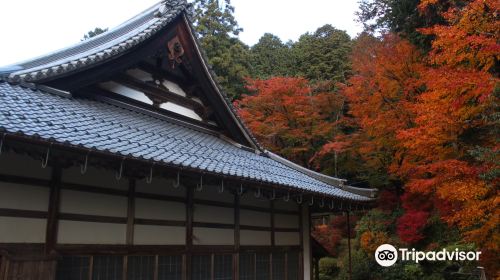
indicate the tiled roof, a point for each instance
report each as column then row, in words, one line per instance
column 101, row 125
column 102, row 47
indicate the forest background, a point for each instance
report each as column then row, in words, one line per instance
column 409, row 106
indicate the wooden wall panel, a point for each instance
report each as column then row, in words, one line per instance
column 211, row 192
column 76, row 232
column 255, row 218
column 160, row 186
column 289, row 205
column 93, row 204
column 22, row 230
column 255, row 238
column 157, row 209
column 159, row 235
column 213, row 214
column 286, row 221
column 249, row 199
column 213, row 236
column 287, row 238
column 21, row 165
column 94, row 177
column 25, row 197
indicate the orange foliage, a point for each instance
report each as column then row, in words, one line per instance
column 289, row 116
column 420, row 117
column 369, row 241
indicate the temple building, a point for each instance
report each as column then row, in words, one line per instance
column 122, row 158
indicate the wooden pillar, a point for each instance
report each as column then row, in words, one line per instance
column 130, row 212
column 349, row 244
column 301, row 237
column 273, row 241
column 189, row 230
column 236, row 255
column 53, row 211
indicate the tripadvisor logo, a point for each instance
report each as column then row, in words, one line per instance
column 387, row 255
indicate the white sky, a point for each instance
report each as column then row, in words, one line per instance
column 29, row 28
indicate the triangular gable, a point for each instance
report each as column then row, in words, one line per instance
column 152, row 60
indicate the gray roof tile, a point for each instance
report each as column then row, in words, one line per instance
column 104, row 126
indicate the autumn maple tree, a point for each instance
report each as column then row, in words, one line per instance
column 289, row 115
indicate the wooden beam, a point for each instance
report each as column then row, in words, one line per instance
column 92, row 218
column 53, row 210
column 160, row 94
column 156, row 222
column 163, row 73
column 4, row 212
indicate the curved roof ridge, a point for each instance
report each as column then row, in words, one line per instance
column 332, row 181
column 102, row 47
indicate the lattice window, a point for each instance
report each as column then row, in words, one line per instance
column 73, row 268
column 201, row 267
column 223, row 267
column 293, row 266
column 247, row 266
column 170, row 268
column 279, row 266
column 107, row 268
column 140, row 267
column 262, row 267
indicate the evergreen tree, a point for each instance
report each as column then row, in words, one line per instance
column 218, row 33
column 323, row 55
column 271, row 57
column 400, row 16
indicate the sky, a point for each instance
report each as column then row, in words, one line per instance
column 30, row 28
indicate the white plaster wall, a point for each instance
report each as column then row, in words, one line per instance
column 94, row 177
column 254, row 237
column 159, row 235
column 25, row 197
column 173, row 87
column 213, row 236
column 126, row 91
column 162, row 210
column 160, row 186
column 211, row 192
column 286, row 221
column 76, row 232
column 22, row 230
column 287, row 238
column 213, row 214
column 21, row 165
column 169, row 106
column 255, row 218
column 93, row 204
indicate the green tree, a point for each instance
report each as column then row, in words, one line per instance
column 218, row 33
column 93, row 33
column 399, row 16
column 271, row 57
column 323, row 55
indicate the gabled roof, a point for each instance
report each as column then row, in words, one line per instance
column 98, row 123
column 101, row 48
